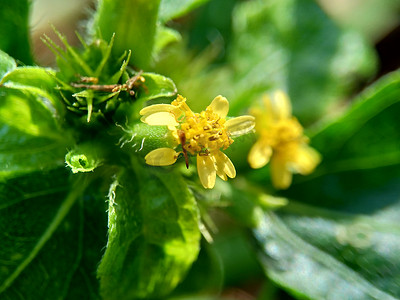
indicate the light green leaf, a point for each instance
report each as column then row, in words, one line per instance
column 170, row 9
column 153, row 234
column 37, row 81
column 134, row 25
column 7, row 64
column 165, row 36
column 14, row 29
column 320, row 254
column 30, row 138
column 157, row 86
column 39, row 225
column 293, row 45
column 84, row 158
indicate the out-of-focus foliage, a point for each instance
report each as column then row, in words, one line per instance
column 83, row 217
column 14, row 30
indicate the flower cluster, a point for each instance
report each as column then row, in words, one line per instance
column 281, row 141
column 202, row 134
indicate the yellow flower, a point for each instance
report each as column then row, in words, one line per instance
column 202, row 134
column 281, row 141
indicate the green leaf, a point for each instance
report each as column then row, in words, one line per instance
column 40, row 233
column 134, row 25
column 84, row 158
column 7, row 64
column 84, row 284
column 37, row 81
column 14, row 29
column 30, row 138
column 157, row 86
column 170, row 9
column 277, row 42
column 320, row 254
column 164, row 37
column 368, row 128
column 153, row 234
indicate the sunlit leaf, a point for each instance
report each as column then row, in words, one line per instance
column 30, row 137
column 7, row 64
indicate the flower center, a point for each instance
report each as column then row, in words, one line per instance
column 204, row 132
column 283, row 133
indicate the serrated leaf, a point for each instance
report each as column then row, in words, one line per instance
column 318, row 254
column 30, row 138
column 134, row 26
column 170, row 9
column 7, row 64
column 40, row 225
column 153, row 234
column 14, row 29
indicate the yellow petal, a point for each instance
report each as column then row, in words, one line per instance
column 268, row 114
column 259, row 155
column 224, row 165
column 220, row 106
column 161, row 157
column 160, row 118
column 281, row 105
column 306, row 160
column 240, row 125
column 281, row 177
column 157, row 108
column 206, row 170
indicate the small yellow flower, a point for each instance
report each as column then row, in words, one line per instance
column 281, row 141
column 202, row 134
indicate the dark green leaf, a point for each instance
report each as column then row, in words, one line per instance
column 40, row 232
column 293, row 45
column 30, row 138
column 14, row 29
column 84, row 283
column 134, row 25
column 153, row 234
column 170, row 9
column 320, row 254
column 7, row 64
column 368, row 128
